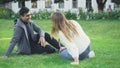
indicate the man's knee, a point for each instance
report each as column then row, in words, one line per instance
column 50, row 49
column 47, row 35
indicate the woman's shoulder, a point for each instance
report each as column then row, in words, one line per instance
column 74, row 22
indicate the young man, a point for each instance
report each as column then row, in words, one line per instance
column 28, row 42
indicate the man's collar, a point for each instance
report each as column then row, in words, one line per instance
column 24, row 22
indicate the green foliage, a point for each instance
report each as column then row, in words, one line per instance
column 41, row 15
column 107, row 15
column 70, row 15
column 44, row 14
column 82, row 15
column 116, row 1
column 5, row 1
column 5, row 13
column 99, row 15
column 115, row 14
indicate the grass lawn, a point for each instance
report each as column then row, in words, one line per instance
column 105, row 40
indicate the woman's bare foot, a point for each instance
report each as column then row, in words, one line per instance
column 91, row 54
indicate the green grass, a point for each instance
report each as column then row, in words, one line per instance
column 105, row 40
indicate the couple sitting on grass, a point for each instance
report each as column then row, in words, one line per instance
column 74, row 43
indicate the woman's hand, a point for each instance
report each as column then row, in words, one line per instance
column 62, row 48
column 76, row 61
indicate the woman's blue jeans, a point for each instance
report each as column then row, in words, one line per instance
column 66, row 55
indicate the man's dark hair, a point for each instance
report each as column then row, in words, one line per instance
column 23, row 10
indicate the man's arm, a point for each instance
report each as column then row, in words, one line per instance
column 41, row 34
column 16, row 37
column 38, row 30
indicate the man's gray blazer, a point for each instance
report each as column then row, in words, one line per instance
column 20, row 37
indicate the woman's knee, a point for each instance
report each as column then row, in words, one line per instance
column 65, row 54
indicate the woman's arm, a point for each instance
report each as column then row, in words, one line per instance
column 71, row 47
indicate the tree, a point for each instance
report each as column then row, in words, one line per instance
column 101, row 4
column 116, row 2
column 22, row 2
column 5, row 1
column 58, row 1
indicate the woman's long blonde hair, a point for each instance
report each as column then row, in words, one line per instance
column 61, row 23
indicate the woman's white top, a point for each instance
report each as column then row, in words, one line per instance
column 80, row 42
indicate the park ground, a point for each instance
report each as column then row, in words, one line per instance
column 105, row 41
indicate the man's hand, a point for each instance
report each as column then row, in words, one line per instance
column 42, row 41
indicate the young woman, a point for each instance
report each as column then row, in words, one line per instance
column 72, row 36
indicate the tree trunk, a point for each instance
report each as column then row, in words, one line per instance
column 100, row 7
column 101, row 4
